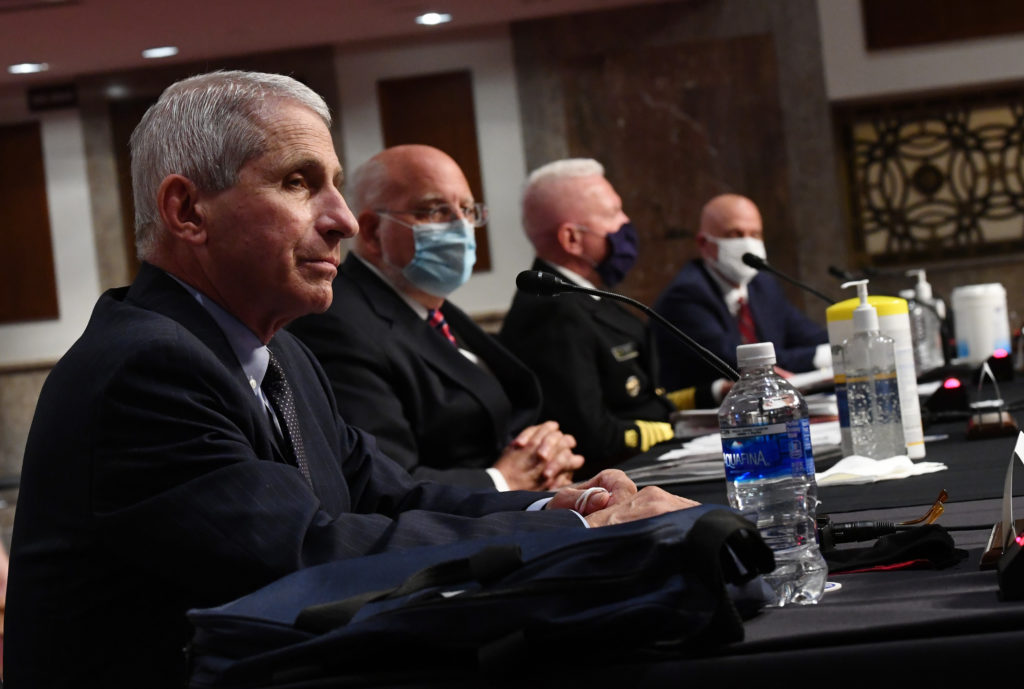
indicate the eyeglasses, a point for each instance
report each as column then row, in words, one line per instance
column 933, row 513
column 475, row 214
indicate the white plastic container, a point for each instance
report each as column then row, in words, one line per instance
column 980, row 320
column 894, row 321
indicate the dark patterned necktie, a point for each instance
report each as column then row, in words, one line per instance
column 745, row 318
column 436, row 319
column 279, row 393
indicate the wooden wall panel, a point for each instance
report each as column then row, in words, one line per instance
column 125, row 115
column 902, row 23
column 29, row 288
column 437, row 110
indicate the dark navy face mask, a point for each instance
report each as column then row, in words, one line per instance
column 621, row 255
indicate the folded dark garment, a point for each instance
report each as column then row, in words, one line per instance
column 929, row 546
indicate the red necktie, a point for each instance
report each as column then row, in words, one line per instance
column 436, row 319
column 745, row 319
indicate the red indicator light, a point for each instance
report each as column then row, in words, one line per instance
column 951, row 383
column 1020, row 540
column 1000, row 354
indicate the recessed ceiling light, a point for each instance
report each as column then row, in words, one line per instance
column 28, row 68
column 433, row 18
column 117, row 91
column 163, row 51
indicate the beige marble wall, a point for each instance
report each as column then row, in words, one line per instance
column 19, row 391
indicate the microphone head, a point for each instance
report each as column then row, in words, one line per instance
column 840, row 273
column 754, row 261
column 540, row 283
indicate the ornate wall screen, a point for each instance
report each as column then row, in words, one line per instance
column 936, row 180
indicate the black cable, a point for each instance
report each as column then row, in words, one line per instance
column 830, row 532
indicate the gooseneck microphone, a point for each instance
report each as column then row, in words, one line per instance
column 840, row 274
column 544, row 284
column 866, row 272
column 755, row 261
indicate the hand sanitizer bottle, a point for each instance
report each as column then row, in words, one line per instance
column 872, row 388
column 927, row 325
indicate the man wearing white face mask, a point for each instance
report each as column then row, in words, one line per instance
column 721, row 302
column 441, row 396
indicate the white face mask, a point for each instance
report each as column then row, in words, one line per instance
column 730, row 258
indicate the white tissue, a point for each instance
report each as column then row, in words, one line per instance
column 856, row 469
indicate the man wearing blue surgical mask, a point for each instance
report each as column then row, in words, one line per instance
column 442, row 397
column 721, row 302
column 593, row 356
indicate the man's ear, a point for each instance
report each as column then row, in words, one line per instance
column 569, row 238
column 369, row 233
column 706, row 247
column 177, row 202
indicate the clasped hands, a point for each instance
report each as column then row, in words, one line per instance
column 541, row 457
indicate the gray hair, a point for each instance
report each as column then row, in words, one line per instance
column 563, row 169
column 544, row 201
column 205, row 128
column 366, row 185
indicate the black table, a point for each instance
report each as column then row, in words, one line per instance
column 881, row 628
column 975, row 471
column 920, row 627
column 976, row 468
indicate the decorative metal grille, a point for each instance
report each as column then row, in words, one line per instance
column 939, row 179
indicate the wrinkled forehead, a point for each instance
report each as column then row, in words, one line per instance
column 431, row 181
column 292, row 136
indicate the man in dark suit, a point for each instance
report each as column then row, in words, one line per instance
column 185, row 452
column 721, row 302
column 592, row 356
column 458, row 410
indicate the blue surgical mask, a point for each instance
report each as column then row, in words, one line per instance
column 444, row 258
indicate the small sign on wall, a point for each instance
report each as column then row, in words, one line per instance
column 52, row 97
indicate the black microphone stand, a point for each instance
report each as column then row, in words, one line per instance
column 703, row 352
column 545, row 284
column 755, row 261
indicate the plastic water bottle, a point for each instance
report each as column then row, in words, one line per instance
column 769, row 472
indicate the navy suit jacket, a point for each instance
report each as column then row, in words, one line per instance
column 694, row 303
column 595, row 363
column 432, row 410
column 153, row 483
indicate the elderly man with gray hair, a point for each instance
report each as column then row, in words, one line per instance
column 186, row 451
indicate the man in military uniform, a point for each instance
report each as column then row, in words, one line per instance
column 593, row 357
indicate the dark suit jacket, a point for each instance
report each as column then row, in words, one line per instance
column 595, row 365
column 694, row 303
column 152, row 483
column 432, row 410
